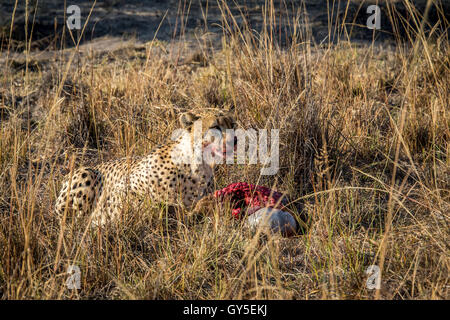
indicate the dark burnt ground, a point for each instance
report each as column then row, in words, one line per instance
column 190, row 20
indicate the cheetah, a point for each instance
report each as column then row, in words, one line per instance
column 173, row 173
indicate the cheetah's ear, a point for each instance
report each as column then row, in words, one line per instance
column 187, row 119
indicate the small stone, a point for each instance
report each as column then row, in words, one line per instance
column 275, row 220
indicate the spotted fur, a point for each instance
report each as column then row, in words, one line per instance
column 101, row 190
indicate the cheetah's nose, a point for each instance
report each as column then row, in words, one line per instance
column 235, row 140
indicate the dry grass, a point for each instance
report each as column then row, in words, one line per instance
column 364, row 134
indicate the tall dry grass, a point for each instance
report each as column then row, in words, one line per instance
column 364, row 131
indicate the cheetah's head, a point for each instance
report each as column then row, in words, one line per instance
column 213, row 132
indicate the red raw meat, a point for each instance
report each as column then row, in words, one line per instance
column 242, row 194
